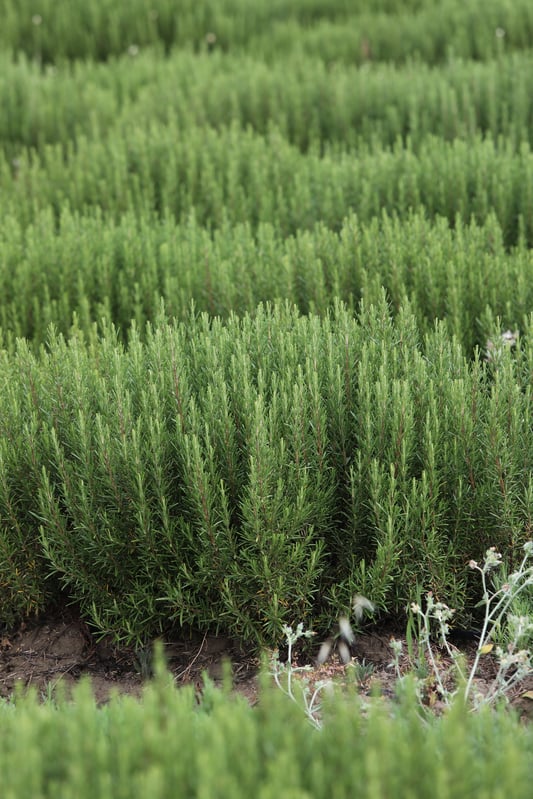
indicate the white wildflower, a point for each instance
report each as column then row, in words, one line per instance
column 324, row 651
column 344, row 652
column 360, row 604
column 346, row 630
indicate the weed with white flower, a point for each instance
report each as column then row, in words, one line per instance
column 284, row 673
column 514, row 662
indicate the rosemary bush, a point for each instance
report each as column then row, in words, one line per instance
column 236, row 475
column 174, row 451
column 168, row 745
column 314, row 107
column 81, row 269
column 159, row 171
column 334, row 30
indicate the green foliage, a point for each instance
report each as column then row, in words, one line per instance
column 168, row 746
column 429, row 619
column 83, row 269
column 230, row 176
column 172, row 450
column 392, row 30
column 229, row 180
column 313, row 105
column 239, row 475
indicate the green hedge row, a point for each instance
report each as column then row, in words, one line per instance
column 239, row 176
column 100, row 28
column 241, row 475
column 169, row 747
column 81, row 269
column 432, row 34
column 337, row 30
column 308, row 102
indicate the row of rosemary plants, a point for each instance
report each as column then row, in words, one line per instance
column 240, row 475
column 170, row 746
column 311, row 103
column 346, row 32
column 234, row 176
column 79, row 269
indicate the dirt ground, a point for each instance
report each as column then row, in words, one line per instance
column 60, row 648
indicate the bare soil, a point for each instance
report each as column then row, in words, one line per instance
column 61, row 649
